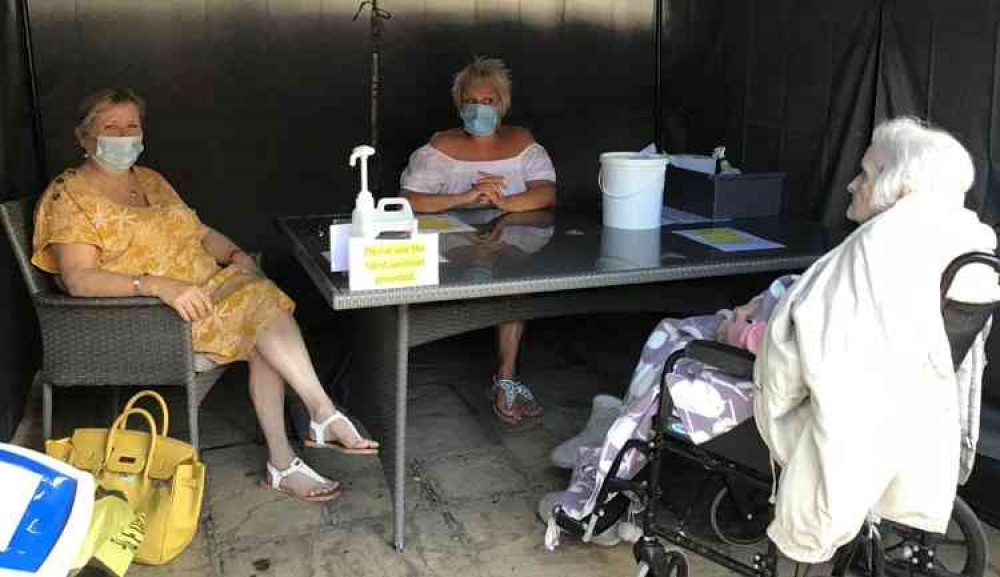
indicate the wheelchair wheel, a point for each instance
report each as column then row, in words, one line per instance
column 735, row 523
column 960, row 552
column 655, row 560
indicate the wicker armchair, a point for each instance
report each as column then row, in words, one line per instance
column 105, row 341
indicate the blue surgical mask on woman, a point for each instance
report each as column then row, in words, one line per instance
column 118, row 153
column 479, row 119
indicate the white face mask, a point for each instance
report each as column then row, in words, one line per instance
column 118, row 153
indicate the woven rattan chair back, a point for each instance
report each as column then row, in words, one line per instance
column 17, row 216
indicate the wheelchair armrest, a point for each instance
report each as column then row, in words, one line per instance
column 726, row 358
column 113, row 341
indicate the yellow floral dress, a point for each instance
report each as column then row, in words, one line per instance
column 163, row 239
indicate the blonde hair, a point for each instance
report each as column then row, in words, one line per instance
column 491, row 71
column 918, row 159
column 102, row 100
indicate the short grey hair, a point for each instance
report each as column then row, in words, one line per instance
column 102, row 100
column 914, row 158
column 491, row 71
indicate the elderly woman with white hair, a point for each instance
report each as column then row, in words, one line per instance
column 485, row 163
column 854, row 390
column 858, row 400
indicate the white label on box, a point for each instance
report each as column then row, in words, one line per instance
column 393, row 263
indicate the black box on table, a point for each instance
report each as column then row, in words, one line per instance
column 725, row 195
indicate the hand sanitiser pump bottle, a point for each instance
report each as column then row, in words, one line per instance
column 391, row 215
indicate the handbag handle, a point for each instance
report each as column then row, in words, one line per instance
column 120, row 424
column 163, row 408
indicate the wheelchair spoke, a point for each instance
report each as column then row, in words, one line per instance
column 946, row 551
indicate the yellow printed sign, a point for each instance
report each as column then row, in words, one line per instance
column 722, row 235
column 384, row 263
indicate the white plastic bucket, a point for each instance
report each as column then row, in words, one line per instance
column 632, row 185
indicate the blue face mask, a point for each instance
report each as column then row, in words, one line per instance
column 118, row 153
column 479, row 119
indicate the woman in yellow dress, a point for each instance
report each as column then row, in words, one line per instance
column 111, row 228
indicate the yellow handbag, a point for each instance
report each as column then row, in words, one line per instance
column 161, row 477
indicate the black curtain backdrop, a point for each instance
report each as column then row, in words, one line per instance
column 18, row 177
column 255, row 104
column 784, row 84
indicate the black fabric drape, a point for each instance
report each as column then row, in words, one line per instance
column 783, row 84
column 942, row 63
column 19, row 174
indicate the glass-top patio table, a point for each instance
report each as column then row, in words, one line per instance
column 516, row 267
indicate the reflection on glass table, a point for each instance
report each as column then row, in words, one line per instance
column 502, row 244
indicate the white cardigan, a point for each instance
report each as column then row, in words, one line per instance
column 858, row 400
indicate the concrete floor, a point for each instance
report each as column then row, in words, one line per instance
column 473, row 483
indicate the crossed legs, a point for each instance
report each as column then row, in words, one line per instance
column 280, row 357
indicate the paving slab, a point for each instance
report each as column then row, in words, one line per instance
column 479, row 474
column 441, row 422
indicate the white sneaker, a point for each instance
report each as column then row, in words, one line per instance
column 602, row 415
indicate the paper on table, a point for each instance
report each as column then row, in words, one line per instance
column 340, row 236
column 728, row 239
column 442, row 223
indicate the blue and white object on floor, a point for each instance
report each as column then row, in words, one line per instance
column 44, row 513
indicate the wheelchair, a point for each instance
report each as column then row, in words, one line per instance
column 740, row 510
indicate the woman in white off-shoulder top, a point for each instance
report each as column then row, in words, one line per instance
column 486, row 164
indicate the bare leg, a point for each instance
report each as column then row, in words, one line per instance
column 281, row 344
column 508, row 345
column 267, row 391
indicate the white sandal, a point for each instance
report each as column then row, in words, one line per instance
column 275, row 476
column 318, row 439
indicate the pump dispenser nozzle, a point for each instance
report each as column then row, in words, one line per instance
column 362, row 152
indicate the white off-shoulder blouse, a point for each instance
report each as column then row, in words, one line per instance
column 431, row 171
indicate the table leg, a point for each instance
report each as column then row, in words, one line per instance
column 378, row 395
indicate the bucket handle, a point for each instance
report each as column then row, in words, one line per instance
column 600, row 185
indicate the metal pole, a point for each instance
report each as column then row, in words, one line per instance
column 36, row 107
column 375, row 92
column 658, row 76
